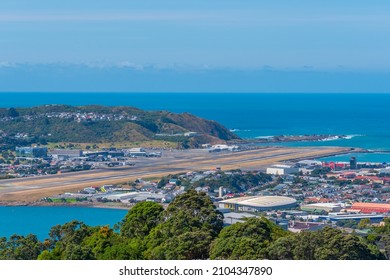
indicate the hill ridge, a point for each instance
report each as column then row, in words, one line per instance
column 96, row 123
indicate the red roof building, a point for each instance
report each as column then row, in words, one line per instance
column 371, row 207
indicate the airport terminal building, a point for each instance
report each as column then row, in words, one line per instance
column 258, row 203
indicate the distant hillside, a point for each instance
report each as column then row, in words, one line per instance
column 98, row 124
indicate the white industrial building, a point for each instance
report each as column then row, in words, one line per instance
column 258, row 203
column 136, row 152
column 319, row 207
column 281, row 169
column 309, row 163
column 134, row 196
column 63, row 154
column 221, row 147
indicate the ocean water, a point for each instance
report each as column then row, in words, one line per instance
column 361, row 157
column 38, row 220
column 364, row 118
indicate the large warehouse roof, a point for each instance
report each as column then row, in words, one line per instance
column 367, row 204
column 261, row 201
column 371, row 207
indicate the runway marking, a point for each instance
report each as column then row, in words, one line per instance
column 29, row 189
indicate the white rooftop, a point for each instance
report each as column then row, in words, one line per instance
column 261, row 201
column 281, row 166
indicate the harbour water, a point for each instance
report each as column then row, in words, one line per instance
column 23, row 220
column 362, row 157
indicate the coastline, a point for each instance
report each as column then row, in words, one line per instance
column 292, row 138
column 71, row 205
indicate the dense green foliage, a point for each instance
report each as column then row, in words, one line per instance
column 317, row 172
column 348, row 223
column 192, row 228
column 326, row 244
column 247, row 241
column 236, row 182
column 191, row 220
column 66, row 242
column 141, row 219
column 20, row 248
column 381, row 236
column 95, row 124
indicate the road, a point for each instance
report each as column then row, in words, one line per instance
column 33, row 188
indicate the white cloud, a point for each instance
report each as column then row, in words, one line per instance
column 112, row 16
column 236, row 17
column 6, row 64
column 127, row 64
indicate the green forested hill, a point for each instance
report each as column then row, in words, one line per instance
column 87, row 124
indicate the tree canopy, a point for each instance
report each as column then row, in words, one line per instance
column 141, row 219
column 192, row 228
column 326, row 244
column 248, row 240
column 190, row 220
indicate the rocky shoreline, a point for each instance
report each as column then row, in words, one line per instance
column 291, row 138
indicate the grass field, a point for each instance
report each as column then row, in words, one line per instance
column 121, row 145
column 60, row 200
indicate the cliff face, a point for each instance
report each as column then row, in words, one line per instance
column 94, row 124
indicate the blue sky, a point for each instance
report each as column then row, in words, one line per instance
column 332, row 36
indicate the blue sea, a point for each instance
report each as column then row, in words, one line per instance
column 38, row 220
column 363, row 118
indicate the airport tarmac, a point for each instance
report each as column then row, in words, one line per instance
column 177, row 161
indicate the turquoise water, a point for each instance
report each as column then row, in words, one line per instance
column 23, row 220
column 361, row 157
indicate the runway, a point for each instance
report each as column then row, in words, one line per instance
column 33, row 188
